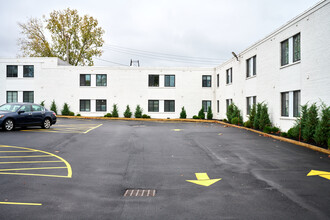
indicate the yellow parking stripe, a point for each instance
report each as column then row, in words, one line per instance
column 37, row 168
column 19, row 203
column 47, row 161
column 92, row 128
column 25, row 156
column 33, row 174
column 14, row 151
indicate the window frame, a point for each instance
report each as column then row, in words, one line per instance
column 28, row 93
column 251, row 62
column 99, row 106
column 167, row 83
column 228, row 103
column 84, row 105
column 229, row 76
column 11, row 75
column 152, row 107
column 151, row 80
column 168, row 108
column 7, row 92
column 83, row 80
column 285, row 104
column 103, row 84
column 206, row 81
column 296, row 103
column 250, row 102
column 207, row 104
column 296, row 54
column 25, row 73
column 218, row 80
column 285, row 52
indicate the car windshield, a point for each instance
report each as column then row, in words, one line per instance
column 9, row 107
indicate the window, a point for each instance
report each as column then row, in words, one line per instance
column 169, row 80
column 290, row 50
column 169, row 106
column 153, row 105
column 296, row 103
column 228, row 103
column 218, row 106
column 37, row 108
column 206, row 104
column 101, row 105
column 250, row 101
column 28, row 71
column 285, row 52
column 26, row 108
column 11, row 70
column 12, row 96
column 85, row 79
column 28, row 96
column 153, row 80
column 285, row 104
column 101, row 79
column 206, row 81
column 229, row 76
column 296, row 47
column 218, row 80
column 251, row 66
column 85, row 105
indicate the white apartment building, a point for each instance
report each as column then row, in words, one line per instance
column 286, row 69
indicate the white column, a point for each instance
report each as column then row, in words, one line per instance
column 19, row 96
column 290, row 104
column 93, row 105
column 93, row 80
column 161, row 80
column 20, row 71
column 291, row 50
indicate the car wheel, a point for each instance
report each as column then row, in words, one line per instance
column 9, row 125
column 46, row 124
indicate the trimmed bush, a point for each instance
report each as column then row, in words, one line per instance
column 235, row 121
column 145, row 116
column 256, row 120
column 138, row 112
column 294, row 132
column 53, row 107
column 201, row 114
column 42, row 103
column 71, row 113
column 108, row 115
column 322, row 131
column 247, row 124
column 127, row 113
column 65, row 110
column 264, row 118
column 78, row 114
column 114, row 112
column 275, row 130
column 267, row 129
column 252, row 115
column 183, row 113
column 311, row 123
column 225, row 120
column 329, row 143
column 195, row 117
column 284, row 134
column 232, row 112
column 209, row 113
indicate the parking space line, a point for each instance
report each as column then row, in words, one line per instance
column 35, row 168
column 19, row 203
column 34, row 174
column 68, row 128
column 25, row 156
column 46, row 161
column 92, row 128
column 18, row 151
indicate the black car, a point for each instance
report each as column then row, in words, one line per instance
column 25, row 114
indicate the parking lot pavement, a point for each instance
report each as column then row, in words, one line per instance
column 150, row 170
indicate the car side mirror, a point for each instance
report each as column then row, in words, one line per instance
column 20, row 112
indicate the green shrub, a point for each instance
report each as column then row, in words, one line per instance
column 183, row 113
column 53, row 107
column 42, row 103
column 284, row 134
column 264, row 118
column 311, row 123
column 233, row 111
column 127, row 113
column 225, row 120
column 294, row 132
column 195, row 117
column 209, row 113
column 109, row 115
column 201, row 114
column 275, row 129
column 138, row 112
column 247, row 124
column 145, row 116
column 252, row 115
column 322, row 131
column 78, row 114
column 114, row 112
column 267, row 129
column 329, row 143
column 235, row 120
column 256, row 121
column 71, row 113
column 65, row 110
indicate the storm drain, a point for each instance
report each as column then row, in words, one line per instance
column 140, row 193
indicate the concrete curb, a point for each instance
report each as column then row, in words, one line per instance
column 309, row 146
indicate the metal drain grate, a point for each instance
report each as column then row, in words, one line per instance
column 140, row 193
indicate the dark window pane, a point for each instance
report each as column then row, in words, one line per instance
column 11, row 70
column 218, row 80
column 285, row 104
column 169, row 80
column 85, row 79
column 101, row 80
column 85, row 105
column 285, row 52
column 28, row 71
column 296, row 47
column 206, row 104
column 11, row 96
column 153, row 105
column 218, row 106
column 153, row 80
column 169, row 106
column 206, row 81
column 28, row 96
column 101, row 105
column 255, row 65
column 296, row 103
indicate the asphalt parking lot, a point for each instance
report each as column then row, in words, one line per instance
column 100, row 169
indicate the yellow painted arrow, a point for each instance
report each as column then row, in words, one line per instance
column 203, row 179
column 323, row 174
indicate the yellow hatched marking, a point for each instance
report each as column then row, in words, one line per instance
column 68, row 166
column 25, row 156
column 37, row 168
column 19, row 203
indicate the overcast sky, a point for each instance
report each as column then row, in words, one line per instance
column 183, row 28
